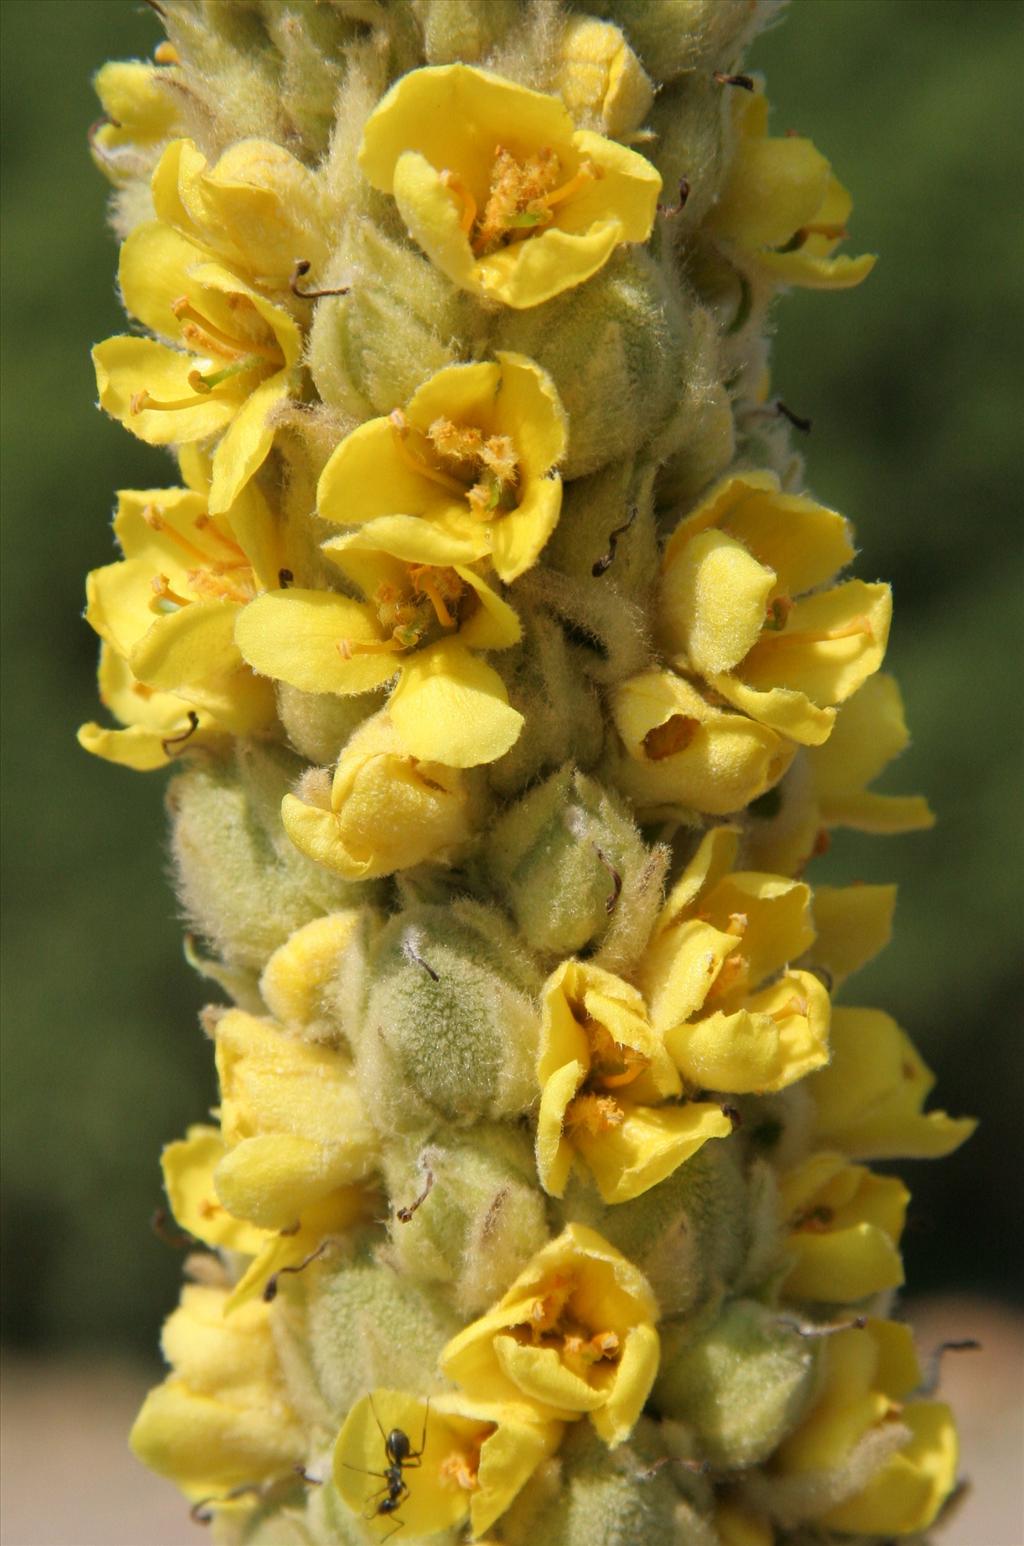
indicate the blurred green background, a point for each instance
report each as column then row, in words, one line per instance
column 912, row 384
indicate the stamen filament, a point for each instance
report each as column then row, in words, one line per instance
column 200, row 328
column 402, row 430
column 469, row 206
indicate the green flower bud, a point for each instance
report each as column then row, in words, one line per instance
column 448, row 1031
column 243, row 885
column 606, row 537
column 401, row 321
column 741, row 1384
column 615, row 348
column 689, row 119
column 674, row 37
column 347, row 1328
column 468, row 1211
column 562, row 709
column 701, row 439
column 319, row 723
column 688, row 1235
column 568, row 860
column 464, row 29
column 587, row 1495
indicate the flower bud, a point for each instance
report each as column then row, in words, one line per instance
column 243, row 885
column 601, row 80
column 319, row 723
column 470, row 1212
column 675, row 37
column 449, row 1027
column 741, row 1384
column 566, row 858
column 616, row 348
column 464, row 29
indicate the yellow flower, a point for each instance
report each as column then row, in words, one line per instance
column 474, row 451
column 388, row 810
column 158, row 726
column 292, row 1120
column 782, row 207
column 600, row 79
column 870, row 1099
column 829, row 786
column 221, row 1419
column 167, row 610
column 189, row 1167
column 237, row 359
column 470, row 1460
column 844, row 1229
column 497, row 187
column 257, row 210
column 426, row 611
column 605, row 1078
column 574, row 1334
column 727, row 613
column 734, row 1015
column 736, row 1526
column 296, row 976
column 682, row 753
column 867, row 1376
column 140, row 111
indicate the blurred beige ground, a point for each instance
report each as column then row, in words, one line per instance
column 69, row 1480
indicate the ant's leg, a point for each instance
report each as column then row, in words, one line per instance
column 373, row 1409
column 363, row 1471
column 414, row 1458
column 372, row 1508
column 398, row 1525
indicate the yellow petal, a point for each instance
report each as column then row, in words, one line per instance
column 783, row 709
column 433, row 1503
column 297, row 973
column 453, row 708
column 192, row 652
column 127, row 366
column 366, row 477
column 774, row 187
column 778, row 1037
column 831, row 644
column 906, row 1495
column 853, row 924
column 554, row 1151
column 650, row 1144
column 153, row 272
column 294, row 636
column 638, row 1368
column 188, row 1166
column 711, row 606
column 869, row 732
column 247, row 443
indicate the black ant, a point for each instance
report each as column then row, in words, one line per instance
column 400, row 1456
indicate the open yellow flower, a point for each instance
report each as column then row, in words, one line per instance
column 140, row 109
column 257, row 210
column 222, row 1419
column 605, row 1078
column 156, row 726
column 844, row 1229
column 870, row 1099
column 426, row 612
column 867, row 1376
column 734, row 1015
column 574, row 1334
column 475, row 451
column 741, row 606
column 682, row 753
column 189, row 1167
column 167, row 610
column 388, row 810
column 499, row 189
column 292, row 1120
column 782, row 207
column 235, row 356
column 472, row 1459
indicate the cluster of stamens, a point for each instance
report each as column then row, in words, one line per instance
column 521, row 200
column 613, row 1065
column 463, row 460
column 226, row 578
column 434, row 595
column 549, row 1324
column 240, row 354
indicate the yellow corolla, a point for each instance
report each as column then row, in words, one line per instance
column 222, row 1419
column 468, row 1460
column 156, row 726
column 189, row 1167
column 475, row 451
column 292, row 1120
column 682, row 753
column 140, row 112
column 782, row 207
column 258, row 210
column 497, row 186
column 235, row 355
column 387, row 811
column 574, row 1335
column 720, row 937
column 426, row 612
column 167, row 610
column 297, row 975
column 600, row 79
column 844, row 1228
column 870, row 1100
column 609, row 1090
column 867, row 1376
column 741, row 606
column 736, row 1525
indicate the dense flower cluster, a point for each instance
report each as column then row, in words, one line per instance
column 512, row 682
